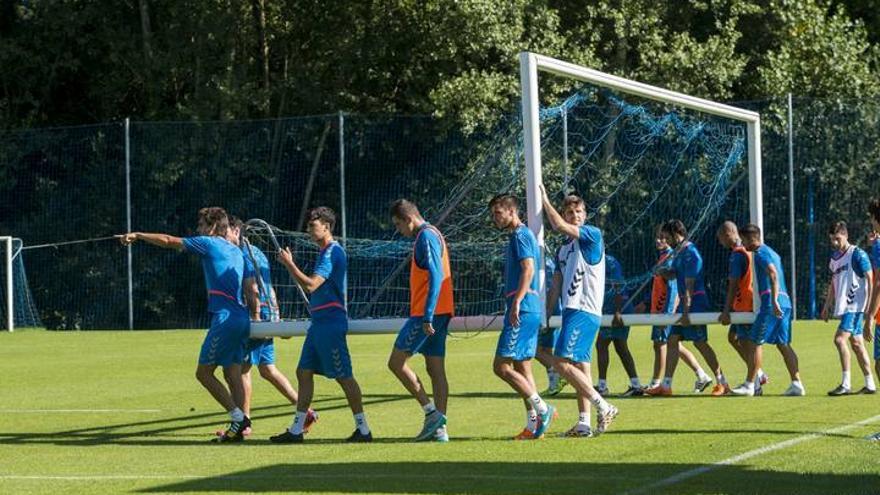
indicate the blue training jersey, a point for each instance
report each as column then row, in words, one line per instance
column 615, row 286
column 875, row 254
column 223, row 266
column 688, row 263
column 521, row 245
column 737, row 265
column 329, row 299
column 264, row 271
column 764, row 257
column 428, row 255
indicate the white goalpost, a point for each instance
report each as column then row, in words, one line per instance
column 6, row 241
column 531, row 65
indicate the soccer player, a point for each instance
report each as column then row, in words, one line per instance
column 616, row 302
column 849, row 292
column 325, row 350
column 872, row 312
column 547, row 340
column 773, row 322
column 663, row 299
column 739, row 292
column 263, row 306
column 580, row 282
column 687, row 269
column 431, row 309
column 522, row 319
column 223, row 265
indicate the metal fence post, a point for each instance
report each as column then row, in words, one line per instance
column 811, row 241
column 128, row 221
column 342, row 176
column 565, row 150
column 793, row 265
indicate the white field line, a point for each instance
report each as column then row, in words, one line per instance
column 685, row 475
column 71, row 411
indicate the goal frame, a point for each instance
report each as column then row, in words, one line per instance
column 6, row 241
column 531, row 64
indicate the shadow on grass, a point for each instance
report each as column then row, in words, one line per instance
column 516, row 478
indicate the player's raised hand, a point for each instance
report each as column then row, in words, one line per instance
column 127, row 239
column 285, row 257
column 543, row 191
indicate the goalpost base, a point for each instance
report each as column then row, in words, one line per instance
column 291, row 328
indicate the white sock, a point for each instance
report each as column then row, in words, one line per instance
column 845, row 380
column 761, row 374
column 721, row 379
column 602, row 384
column 584, row 419
column 667, row 381
column 236, row 415
column 798, row 384
column 360, row 421
column 299, row 422
column 429, row 408
column 531, row 420
column 749, row 385
column 635, row 382
column 869, row 382
column 539, row 403
column 654, row 383
column 702, row 375
column 599, row 402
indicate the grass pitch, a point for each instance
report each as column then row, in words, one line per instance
column 121, row 412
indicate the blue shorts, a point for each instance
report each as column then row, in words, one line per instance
column 661, row 334
column 412, row 339
column 741, row 331
column 768, row 329
column 577, row 336
column 225, row 342
column 519, row 343
column 693, row 333
column 612, row 333
column 325, row 350
column 547, row 338
column 260, row 351
column 853, row 323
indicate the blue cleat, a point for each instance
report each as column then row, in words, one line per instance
column 544, row 421
column 433, row 422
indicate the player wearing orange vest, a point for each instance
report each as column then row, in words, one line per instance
column 431, row 309
column 740, row 293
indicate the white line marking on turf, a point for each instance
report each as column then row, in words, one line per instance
column 684, row 475
column 29, row 411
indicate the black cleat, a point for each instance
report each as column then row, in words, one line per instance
column 840, row 390
column 287, row 437
column 235, row 432
column 866, row 391
column 358, row 437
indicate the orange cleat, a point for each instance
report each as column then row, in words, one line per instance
column 659, row 391
column 718, row 390
column 311, row 419
column 526, row 434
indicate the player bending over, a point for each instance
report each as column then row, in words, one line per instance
column 848, row 293
column 773, row 322
column 616, row 302
column 522, row 318
column 263, row 306
column 739, row 292
column 325, row 350
column 431, row 307
column 687, row 269
column 663, row 299
column 580, row 281
column 223, row 265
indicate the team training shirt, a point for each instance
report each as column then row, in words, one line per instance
column 764, row 257
column 223, row 266
column 581, row 262
column 328, row 299
column 689, row 264
column 875, row 254
column 522, row 245
column 428, row 255
column 614, row 286
column 663, row 297
column 848, row 271
column 262, row 269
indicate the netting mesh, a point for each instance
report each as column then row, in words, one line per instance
column 636, row 163
column 23, row 306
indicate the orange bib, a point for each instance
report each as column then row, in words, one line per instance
column 743, row 299
column 419, row 281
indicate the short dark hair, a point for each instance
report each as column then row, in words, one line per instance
column 323, row 214
column 750, row 230
column 403, row 208
column 235, row 222
column 573, row 199
column 213, row 219
column 674, row 227
column 874, row 209
column 506, row 200
column 838, row 227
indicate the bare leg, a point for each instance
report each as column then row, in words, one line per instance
column 436, row 368
column 688, row 357
column 274, row 376
column 861, row 352
column 306, row 381
column 248, row 389
column 672, row 352
column 352, row 394
column 397, row 363
column 659, row 360
column 582, row 401
column 737, row 346
column 840, row 339
column 621, row 347
column 709, row 355
column 205, row 376
column 791, row 361
column 504, row 369
column 602, row 356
